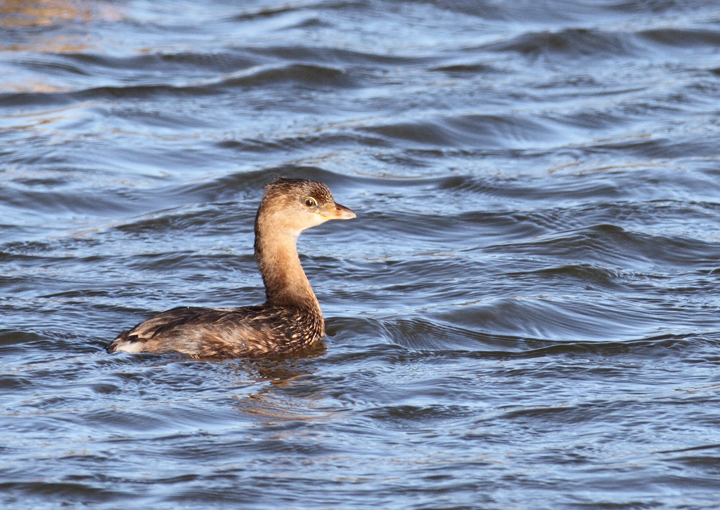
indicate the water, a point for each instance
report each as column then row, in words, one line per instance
column 524, row 314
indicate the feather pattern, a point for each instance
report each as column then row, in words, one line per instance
column 225, row 332
column 289, row 321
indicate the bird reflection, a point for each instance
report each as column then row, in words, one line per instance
column 288, row 397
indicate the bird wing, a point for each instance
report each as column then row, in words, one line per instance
column 201, row 332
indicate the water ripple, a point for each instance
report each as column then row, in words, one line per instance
column 524, row 310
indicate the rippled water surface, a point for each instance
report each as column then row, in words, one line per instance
column 524, row 314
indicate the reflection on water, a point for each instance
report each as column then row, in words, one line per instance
column 285, row 382
column 52, row 26
column 42, row 13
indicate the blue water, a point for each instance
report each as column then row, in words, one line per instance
column 524, row 314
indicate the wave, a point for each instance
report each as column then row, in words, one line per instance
column 573, row 43
column 467, row 130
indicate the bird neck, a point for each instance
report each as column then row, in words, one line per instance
column 283, row 275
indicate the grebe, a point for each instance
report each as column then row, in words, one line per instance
column 289, row 320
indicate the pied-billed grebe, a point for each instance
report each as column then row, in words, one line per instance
column 289, row 320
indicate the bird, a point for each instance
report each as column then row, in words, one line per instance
column 289, row 321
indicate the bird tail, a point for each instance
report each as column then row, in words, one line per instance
column 115, row 344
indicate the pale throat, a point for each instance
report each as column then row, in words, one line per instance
column 285, row 281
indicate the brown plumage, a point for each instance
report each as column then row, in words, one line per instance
column 289, row 320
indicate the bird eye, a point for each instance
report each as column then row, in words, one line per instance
column 310, row 202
